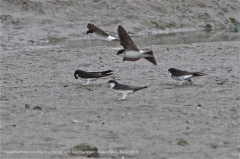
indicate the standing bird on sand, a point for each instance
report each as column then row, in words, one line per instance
column 180, row 75
column 124, row 89
column 89, row 76
column 130, row 51
column 99, row 33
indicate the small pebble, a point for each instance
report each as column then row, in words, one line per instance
column 75, row 121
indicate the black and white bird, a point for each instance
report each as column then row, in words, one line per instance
column 130, row 51
column 181, row 76
column 90, row 76
column 99, row 33
column 123, row 89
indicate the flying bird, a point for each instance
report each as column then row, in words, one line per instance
column 130, row 51
column 99, row 33
column 180, row 75
column 89, row 76
column 123, row 89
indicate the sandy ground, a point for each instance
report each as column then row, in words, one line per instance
column 151, row 122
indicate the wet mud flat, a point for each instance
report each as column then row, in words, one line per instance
column 163, row 121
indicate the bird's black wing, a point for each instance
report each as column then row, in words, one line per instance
column 96, row 29
column 127, row 87
column 125, row 39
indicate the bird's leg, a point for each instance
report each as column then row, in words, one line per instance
column 123, row 97
column 86, row 83
column 190, row 81
column 180, row 83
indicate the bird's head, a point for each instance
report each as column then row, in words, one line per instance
column 112, row 83
column 120, row 52
column 89, row 31
column 76, row 73
column 170, row 70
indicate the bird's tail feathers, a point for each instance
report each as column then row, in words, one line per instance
column 140, row 88
column 149, row 56
column 199, row 74
column 107, row 73
column 115, row 40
